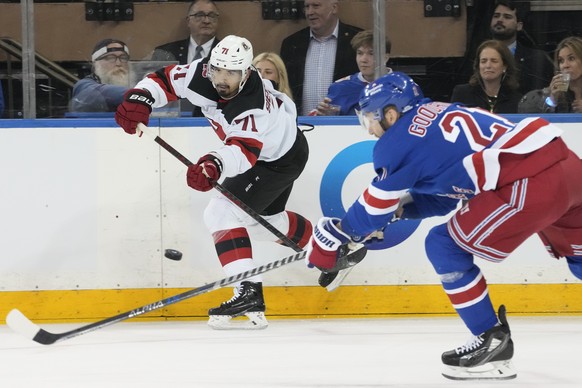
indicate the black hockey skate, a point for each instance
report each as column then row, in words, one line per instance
column 248, row 300
column 483, row 357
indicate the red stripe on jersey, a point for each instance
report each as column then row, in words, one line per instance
column 527, row 131
column 470, row 294
column 251, row 148
column 378, row 203
column 163, row 80
column 232, row 245
column 300, row 229
column 479, row 165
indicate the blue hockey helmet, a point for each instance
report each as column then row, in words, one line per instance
column 393, row 89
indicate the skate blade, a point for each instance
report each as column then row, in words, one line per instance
column 496, row 370
column 255, row 321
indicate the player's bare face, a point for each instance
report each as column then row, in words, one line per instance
column 365, row 61
column 491, row 66
column 370, row 123
column 268, row 70
column 226, row 82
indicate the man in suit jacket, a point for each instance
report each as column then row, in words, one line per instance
column 318, row 54
column 202, row 22
column 535, row 66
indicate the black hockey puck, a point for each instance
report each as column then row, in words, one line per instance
column 173, row 254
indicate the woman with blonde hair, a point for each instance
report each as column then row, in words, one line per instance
column 565, row 94
column 271, row 67
column 493, row 85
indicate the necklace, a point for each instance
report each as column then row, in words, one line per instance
column 491, row 101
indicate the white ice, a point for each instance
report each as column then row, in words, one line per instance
column 364, row 352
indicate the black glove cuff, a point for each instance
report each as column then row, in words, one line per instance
column 140, row 96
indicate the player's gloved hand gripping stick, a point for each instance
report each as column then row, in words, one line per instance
column 204, row 170
column 201, row 177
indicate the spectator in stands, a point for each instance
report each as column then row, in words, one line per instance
column 202, row 19
column 271, row 67
column 535, row 66
column 493, row 85
column 318, row 54
column 343, row 95
column 564, row 93
column 103, row 89
column 566, row 96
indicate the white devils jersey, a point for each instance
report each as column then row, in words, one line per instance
column 260, row 123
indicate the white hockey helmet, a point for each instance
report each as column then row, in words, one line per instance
column 233, row 53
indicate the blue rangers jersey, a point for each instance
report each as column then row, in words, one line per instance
column 345, row 92
column 439, row 153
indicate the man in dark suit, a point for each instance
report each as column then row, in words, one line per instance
column 535, row 66
column 202, row 22
column 318, row 54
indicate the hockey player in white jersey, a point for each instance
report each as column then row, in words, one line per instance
column 263, row 153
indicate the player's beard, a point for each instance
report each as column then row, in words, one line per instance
column 117, row 76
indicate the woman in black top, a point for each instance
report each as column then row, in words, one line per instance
column 568, row 59
column 493, row 85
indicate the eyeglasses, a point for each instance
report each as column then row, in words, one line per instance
column 112, row 58
column 199, row 16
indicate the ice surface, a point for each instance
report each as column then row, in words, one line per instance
column 364, row 352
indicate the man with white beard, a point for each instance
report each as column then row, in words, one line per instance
column 103, row 89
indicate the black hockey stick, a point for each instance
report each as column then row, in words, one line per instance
column 24, row 326
column 233, row 198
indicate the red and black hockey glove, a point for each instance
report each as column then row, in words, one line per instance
column 325, row 242
column 202, row 175
column 135, row 108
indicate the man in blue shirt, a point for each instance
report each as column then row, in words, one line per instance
column 344, row 94
column 103, row 89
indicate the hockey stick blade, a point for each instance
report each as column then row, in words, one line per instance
column 332, row 278
column 24, row 326
column 339, row 279
column 19, row 323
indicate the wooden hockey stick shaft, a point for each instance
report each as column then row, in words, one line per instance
column 224, row 191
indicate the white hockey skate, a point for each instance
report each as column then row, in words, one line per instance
column 247, row 302
column 484, row 357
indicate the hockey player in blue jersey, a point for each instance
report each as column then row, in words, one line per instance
column 516, row 179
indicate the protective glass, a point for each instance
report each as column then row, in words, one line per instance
column 365, row 119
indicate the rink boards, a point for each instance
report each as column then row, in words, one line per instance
column 88, row 210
